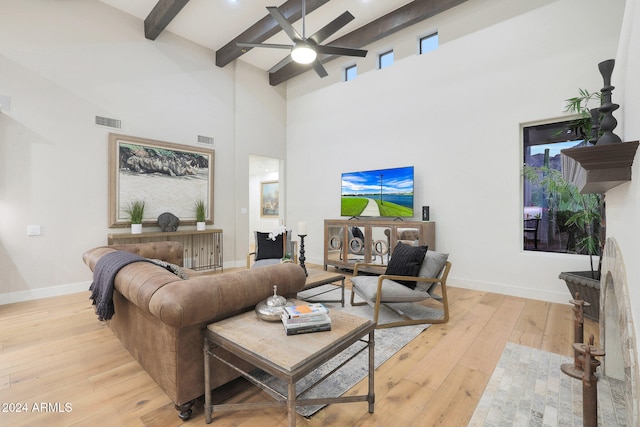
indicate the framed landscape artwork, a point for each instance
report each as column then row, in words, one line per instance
column 167, row 177
column 269, row 199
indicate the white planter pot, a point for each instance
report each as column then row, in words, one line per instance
column 200, row 226
column 136, row 228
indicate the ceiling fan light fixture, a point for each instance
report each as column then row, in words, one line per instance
column 302, row 53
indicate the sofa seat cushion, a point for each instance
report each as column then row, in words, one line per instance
column 367, row 288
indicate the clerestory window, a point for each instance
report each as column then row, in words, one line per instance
column 385, row 59
column 428, row 43
column 350, row 73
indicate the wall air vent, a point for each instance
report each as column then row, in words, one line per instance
column 109, row 123
column 205, row 139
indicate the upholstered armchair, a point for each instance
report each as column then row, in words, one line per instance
column 270, row 251
column 405, row 281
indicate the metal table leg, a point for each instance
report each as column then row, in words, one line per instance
column 372, row 396
column 208, row 409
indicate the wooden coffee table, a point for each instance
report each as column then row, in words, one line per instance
column 290, row 358
column 318, row 278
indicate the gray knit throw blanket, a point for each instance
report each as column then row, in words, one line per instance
column 103, row 280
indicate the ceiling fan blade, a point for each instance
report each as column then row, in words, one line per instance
column 343, row 51
column 320, row 70
column 275, row 46
column 284, row 24
column 333, row 26
column 286, row 60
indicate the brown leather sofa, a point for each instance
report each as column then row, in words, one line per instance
column 159, row 317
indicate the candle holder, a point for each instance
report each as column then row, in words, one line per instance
column 302, row 258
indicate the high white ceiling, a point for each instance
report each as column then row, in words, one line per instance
column 214, row 23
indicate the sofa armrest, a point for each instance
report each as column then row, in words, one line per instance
column 139, row 281
column 206, row 299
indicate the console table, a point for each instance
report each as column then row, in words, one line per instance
column 342, row 248
column 202, row 249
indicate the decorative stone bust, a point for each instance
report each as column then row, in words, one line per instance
column 168, row 221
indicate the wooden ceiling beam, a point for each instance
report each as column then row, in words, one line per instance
column 264, row 29
column 162, row 14
column 399, row 19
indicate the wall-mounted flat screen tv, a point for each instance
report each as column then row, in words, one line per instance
column 378, row 193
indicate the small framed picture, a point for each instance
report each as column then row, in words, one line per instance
column 269, row 199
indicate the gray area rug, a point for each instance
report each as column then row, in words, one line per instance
column 387, row 343
column 527, row 388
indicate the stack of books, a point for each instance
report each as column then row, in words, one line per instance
column 303, row 319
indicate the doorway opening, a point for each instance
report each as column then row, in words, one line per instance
column 266, row 195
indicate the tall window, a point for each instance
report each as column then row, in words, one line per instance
column 428, row 43
column 550, row 203
column 350, row 73
column 385, row 59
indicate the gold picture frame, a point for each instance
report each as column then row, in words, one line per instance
column 270, row 199
column 168, row 177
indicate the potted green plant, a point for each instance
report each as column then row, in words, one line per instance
column 200, row 215
column 135, row 209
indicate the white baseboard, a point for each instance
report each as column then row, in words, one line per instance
column 71, row 288
column 39, row 293
column 560, row 297
column 498, row 288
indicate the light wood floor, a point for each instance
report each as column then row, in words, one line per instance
column 54, row 351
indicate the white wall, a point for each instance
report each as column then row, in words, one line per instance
column 501, row 63
column 455, row 114
column 62, row 63
column 623, row 202
column 260, row 130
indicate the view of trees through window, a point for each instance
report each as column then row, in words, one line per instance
column 557, row 218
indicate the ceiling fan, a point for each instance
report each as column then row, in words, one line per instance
column 305, row 50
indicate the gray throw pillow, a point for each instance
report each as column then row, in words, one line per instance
column 432, row 264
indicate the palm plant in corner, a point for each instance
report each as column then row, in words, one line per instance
column 200, row 216
column 587, row 284
column 135, row 210
column 591, row 215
